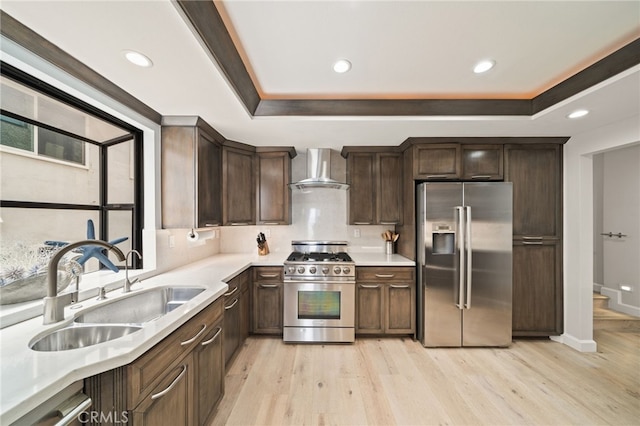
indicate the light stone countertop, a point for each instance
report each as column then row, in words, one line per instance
column 29, row 378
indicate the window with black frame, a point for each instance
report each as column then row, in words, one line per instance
column 68, row 172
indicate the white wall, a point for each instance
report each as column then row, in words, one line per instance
column 578, row 225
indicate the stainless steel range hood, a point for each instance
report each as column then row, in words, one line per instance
column 318, row 171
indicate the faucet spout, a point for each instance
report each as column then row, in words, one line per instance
column 54, row 304
column 126, row 288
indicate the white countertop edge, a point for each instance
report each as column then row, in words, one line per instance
column 212, row 273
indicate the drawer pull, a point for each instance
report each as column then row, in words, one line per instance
column 531, row 238
column 215, row 336
column 437, row 177
column 269, row 275
column 399, row 286
column 532, row 243
column 226, row 308
column 268, row 285
column 385, row 275
column 193, row 339
column 369, row 286
column 362, row 223
column 231, row 292
column 239, row 223
column 212, row 224
column 481, row 177
column 168, row 389
column 271, row 223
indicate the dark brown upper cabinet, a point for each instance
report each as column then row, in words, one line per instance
column 191, row 162
column 454, row 161
column 238, row 184
column 273, row 195
column 375, row 187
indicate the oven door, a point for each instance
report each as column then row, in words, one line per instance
column 319, row 304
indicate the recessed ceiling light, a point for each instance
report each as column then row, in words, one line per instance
column 578, row 113
column 484, row 66
column 341, row 66
column 138, row 58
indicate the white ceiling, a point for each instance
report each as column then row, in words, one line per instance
column 398, row 50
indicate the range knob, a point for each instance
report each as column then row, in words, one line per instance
column 346, row 269
column 312, row 270
column 301, row 269
column 336, row 270
column 291, row 269
column 325, row 270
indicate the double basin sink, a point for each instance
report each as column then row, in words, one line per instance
column 113, row 319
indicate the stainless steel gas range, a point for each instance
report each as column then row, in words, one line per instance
column 319, row 293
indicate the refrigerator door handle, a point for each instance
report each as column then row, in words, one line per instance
column 459, row 297
column 468, row 266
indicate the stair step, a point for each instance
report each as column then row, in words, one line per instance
column 600, row 301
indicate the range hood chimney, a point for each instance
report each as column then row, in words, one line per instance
column 318, row 171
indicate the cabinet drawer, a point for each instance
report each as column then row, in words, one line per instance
column 386, row 274
column 268, row 274
column 149, row 368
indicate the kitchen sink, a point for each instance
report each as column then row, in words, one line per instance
column 140, row 306
column 79, row 336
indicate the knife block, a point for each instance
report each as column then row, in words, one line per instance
column 263, row 249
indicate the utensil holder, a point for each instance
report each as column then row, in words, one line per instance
column 388, row 247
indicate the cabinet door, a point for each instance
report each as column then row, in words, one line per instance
column 370, row 308
column 231, row 326
column 400, row 304
column 362, row 190
column 535, row 171
column 171, row 401
column 208, row 178
column 537, row 288
column 482, row 162
column 209, row 365
column 274, row 194
column 267, row 308
column 238, row 187
column 436, row 161
column 389, row 193
column 178, row 171
column 245, row 309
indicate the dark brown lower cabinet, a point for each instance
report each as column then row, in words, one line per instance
column 171, row 401
column 179, row 381
column 537, row 287
column 267, row 299
column 236, row 315
column 385, row 300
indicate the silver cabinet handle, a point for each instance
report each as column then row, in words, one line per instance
column 399, row 286
column 226, row 308
column 269, row 275
column 385, row 275
column 231, row 292
column 168, row 389
column 215, row 336
column 193, row 339
column 239, row 223
column 437, row 177
column 212, row 224
column 271, row 223
column 73, row 408
column 532, row 243
column 268, row 285
column 362, row 223
column 481, row 177
column 532, row 238
column 388, row 223
column 369, row 286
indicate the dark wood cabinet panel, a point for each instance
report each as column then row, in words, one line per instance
column 190, row 176
column 238, row 189
column 267, row 300
column 375, row 192
column 436, row 161
column 537, row 288
column 536, row 173
column 482, row 162
column 273, row 192
column 209, row 383
column 369, row 308
column 385, row 300
column 231, row 325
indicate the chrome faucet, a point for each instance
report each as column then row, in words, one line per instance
column 127, row 284
column 54, row 304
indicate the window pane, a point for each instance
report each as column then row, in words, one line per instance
column 120, row 224
column 60, row 147
column 29, row 178
column 16, row 133
column 120, row 169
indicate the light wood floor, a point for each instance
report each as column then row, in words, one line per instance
column 396, row 381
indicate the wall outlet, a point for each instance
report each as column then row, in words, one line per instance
column 172, row 241
column 356, row 233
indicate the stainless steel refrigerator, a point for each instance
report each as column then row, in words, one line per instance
column 464, row 256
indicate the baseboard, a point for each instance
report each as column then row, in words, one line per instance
column 615, row 302
column 577, row 344
column 597, row 288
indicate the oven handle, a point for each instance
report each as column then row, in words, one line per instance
column 289, row 282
